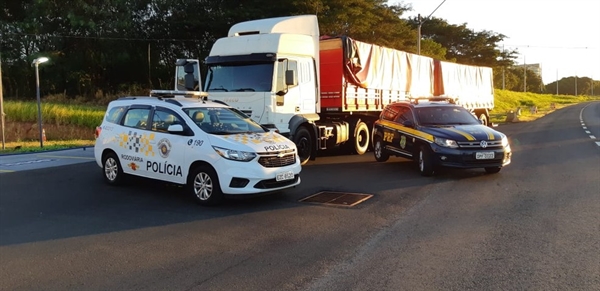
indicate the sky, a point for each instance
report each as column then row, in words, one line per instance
column 563, row 36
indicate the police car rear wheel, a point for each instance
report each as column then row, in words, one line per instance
column 379, row 151
column 204, row 185
column 113, row 173
column 425, row 161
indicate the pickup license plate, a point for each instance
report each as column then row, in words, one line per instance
column 284, row 176
column 484, row 155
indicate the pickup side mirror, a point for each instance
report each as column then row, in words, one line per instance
column 175, row 128
column 408, row 123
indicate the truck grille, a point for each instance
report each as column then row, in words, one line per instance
column 476, row 144
column 275, row 160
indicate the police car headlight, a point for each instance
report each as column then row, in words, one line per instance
column 445, row 142
column 235, row 155
column 504, row 141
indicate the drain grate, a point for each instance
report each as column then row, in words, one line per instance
column 337, row 198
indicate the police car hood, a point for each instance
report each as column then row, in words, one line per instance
column 463, row 132
column 254, row 142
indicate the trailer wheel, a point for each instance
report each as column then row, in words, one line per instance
column 484, row 119
column 361, row 140
column 304, row 144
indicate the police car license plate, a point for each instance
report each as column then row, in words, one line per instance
column 484, row 155
column 284, row 176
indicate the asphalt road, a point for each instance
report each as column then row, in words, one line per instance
column 533, row 226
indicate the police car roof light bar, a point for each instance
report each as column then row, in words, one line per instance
column 174, row 93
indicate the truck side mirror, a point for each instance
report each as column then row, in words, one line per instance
column 190, row 80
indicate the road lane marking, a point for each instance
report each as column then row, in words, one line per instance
column 585, row 127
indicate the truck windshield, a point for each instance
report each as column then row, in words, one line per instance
column 223, row 120
column 255, row 77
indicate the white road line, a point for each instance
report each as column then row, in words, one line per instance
column 584, row 127
column 592, row 137
column 587, row 131
column 598, row 143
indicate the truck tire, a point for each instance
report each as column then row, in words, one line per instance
column 304, row 144
column 483, row 117
column 425, row 161
column 361, row 139
column 203, row 184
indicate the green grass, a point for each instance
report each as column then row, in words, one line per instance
column 509, row 100
column 34, row 146
column 61, row 114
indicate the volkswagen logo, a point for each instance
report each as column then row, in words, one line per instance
column 483, row 144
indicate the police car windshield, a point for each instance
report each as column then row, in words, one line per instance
column 441, row 116
column 222, row 120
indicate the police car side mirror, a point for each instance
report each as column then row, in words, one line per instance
column 408, row 123
column 175, row 128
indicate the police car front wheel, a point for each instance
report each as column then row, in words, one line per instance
column 204, row 185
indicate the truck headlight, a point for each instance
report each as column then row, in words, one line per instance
column 448, row 143
column 235, row 155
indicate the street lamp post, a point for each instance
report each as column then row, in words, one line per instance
column 36, row 63
column 421, row 20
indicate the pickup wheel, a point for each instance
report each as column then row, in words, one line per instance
column 113, row 172
column 361, row 140
column 379, row 151
column 203, row 184
column 493, row 170
column 425, row 161
column 304, row 144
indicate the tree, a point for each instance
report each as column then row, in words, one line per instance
column 567, row 86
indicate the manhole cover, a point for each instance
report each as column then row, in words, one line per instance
column 337, row 198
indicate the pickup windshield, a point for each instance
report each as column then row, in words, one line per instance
column 443, row 116
column 255, row 77
column 222, row 120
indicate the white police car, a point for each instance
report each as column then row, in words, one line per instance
column 210, row 147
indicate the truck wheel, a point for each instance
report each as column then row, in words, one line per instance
column 361, row 140
column 203, row 184
column 113, row 173
column 304, row 144
column 484, row 119
column 380, row 154
column 492, row 170
column 425, row 161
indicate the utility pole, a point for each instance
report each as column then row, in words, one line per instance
column 2, row 105
column 556, row 81
column 503, row 83
column 524, row 75
column 420, row 21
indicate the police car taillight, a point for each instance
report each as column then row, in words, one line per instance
column 97, row 131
